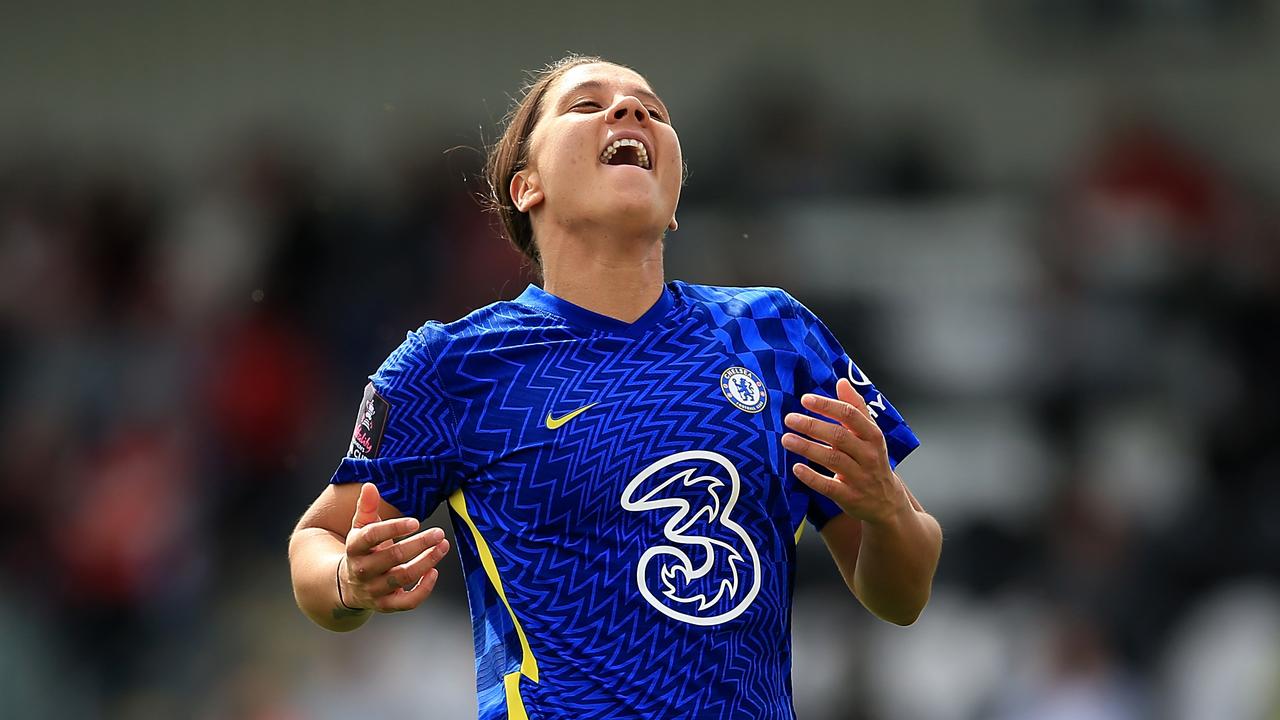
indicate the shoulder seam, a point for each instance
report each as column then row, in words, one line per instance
column 793, row 303
column 534, row 310
column 800, row 316
column 448, row 401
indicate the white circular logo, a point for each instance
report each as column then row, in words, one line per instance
column 744, row 389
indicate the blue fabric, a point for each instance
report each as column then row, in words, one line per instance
column 646, row 545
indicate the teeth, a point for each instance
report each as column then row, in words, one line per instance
column 642, row 155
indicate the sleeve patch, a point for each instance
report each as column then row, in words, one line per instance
column 370, row 422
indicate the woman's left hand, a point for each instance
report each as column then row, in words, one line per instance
column 853, row 448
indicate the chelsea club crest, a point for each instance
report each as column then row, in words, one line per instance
column 744, row 389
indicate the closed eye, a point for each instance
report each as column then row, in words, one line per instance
column 653, row 113
column 587, row 104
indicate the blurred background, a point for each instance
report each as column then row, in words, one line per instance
column 1048, row 229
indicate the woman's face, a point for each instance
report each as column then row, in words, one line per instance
column 603, row 153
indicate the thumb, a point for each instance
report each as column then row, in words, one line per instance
column 366, row 506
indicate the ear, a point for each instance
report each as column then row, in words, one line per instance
column 673, row 225
column 526, row 192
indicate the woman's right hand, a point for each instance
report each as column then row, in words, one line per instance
column 379, row 573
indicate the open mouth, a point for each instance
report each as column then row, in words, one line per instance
column 626, row 151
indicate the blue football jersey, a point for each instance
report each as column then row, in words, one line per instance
column 623, row 507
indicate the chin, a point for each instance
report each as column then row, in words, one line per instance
column 635, row 208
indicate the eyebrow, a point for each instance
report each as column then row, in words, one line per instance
column 634, row 90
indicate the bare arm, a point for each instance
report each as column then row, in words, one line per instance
column 886, row 545
column 888, row 568
column 346, row 563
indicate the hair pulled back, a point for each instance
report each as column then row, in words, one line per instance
column 510, row 154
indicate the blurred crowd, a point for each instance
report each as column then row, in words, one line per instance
column 1089, row 358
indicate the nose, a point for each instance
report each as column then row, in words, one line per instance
column 628, row 106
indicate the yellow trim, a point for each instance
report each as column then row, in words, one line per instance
column 799, row 532
column 515, row 703
column 528, row 663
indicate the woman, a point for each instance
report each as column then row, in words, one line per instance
column 614, row 449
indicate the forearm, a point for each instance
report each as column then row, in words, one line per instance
column 313, row 562
column 896, row 562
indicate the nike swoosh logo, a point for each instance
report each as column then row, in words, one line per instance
column 553, row 423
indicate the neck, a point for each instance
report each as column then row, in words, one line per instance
column 617, row 277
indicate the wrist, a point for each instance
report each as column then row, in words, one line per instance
column 341, row 595
column 898, row 512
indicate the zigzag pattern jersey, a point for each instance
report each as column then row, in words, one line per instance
column 623, row 507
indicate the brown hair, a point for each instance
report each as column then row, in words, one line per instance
column 510, row 154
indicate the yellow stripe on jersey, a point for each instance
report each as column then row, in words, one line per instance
column 799, row 532
column 515, row 703
column 528, row 663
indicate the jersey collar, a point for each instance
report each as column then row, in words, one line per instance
column 539, row 299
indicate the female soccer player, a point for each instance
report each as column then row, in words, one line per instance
column 614, row 450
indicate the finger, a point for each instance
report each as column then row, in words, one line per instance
column 831, row 458
column 846, row 392
column 827, row 486
column 842, row 412
column 402, row 600
column 380, row 561
column 837, row 436
column 366, row 506
column 367, row 538
column 404, row 576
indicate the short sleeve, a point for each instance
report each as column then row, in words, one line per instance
column 405, row 438
column 824, row 363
